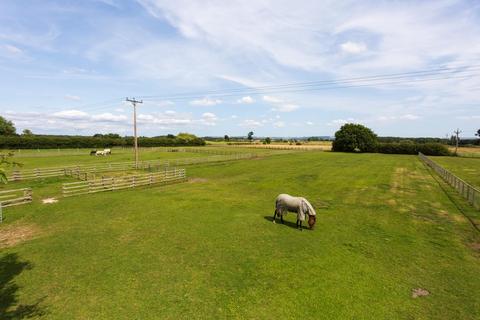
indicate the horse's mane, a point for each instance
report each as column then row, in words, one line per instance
column 310, row 207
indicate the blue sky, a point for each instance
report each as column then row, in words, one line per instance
column 67, row 65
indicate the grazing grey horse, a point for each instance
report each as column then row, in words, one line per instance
column 286, row 203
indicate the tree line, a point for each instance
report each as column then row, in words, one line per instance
column 9, row 139
column 358, row 138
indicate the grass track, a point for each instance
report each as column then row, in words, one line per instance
column 207, row 248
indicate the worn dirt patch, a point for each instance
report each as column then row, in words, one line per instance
column 197, row 180
column 392, row 202
column 49, row 200
column 475, row 246
column 419, row 292
column 14, row 234
column 398, row 179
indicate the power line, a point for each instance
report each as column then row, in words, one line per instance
column 434, row 74
column 307, row 89
column 322, row 83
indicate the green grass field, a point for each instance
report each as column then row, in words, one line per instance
column 467, row 169
column 207, row 248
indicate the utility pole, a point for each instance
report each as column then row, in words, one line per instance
column 457, row 133
column 134, row 103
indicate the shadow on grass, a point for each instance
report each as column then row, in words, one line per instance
column 285, row 222
column 10, row 267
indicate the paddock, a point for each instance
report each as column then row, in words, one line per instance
column 387, row 229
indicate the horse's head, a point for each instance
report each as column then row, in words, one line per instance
column 312, row 220
column 312, row 215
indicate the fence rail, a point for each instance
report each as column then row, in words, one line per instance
column 124, row 182
column 469, row 192
column 15, row 197
column 84, row 171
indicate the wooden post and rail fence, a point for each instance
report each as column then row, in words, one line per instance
column 84, row 172
column 14, row 197
column 123, row 182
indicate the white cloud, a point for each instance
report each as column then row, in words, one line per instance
column 279, row 124
column 246, row 100
column 205, row 102
column 209, row 119
column 272, row 99
column 162, row 103
column 72, row 97
column 241, row 80
column 71, row 114
column 251, row 123
column 209, row 115
column 353, row 47
column 109, row 117
column 472, row 117
column 13, row 50
column 409, row 117
column 280, row 105
column 286, row 107
column 310, row 123
column 170, row 112
column 340, row 122
column 234, row 116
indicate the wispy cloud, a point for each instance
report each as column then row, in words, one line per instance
column 72, row 97
column 205, row 102
column 246, row 100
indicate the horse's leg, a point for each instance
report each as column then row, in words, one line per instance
column 299, row 224
column 274, row 215
column 281, row 219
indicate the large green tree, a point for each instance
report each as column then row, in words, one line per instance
column 354, row 138
column 250, row 136
column 6, row 127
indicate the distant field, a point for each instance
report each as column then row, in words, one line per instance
column 473, row 152
column 207, row 249
column 467, row 169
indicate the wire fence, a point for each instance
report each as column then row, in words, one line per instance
column 469, row 192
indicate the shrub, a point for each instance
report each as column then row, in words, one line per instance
column 354, row 138
column 429, row 149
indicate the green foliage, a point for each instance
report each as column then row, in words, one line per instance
column 268, row 140
column 27, row 132
column 226, row 138
column 250, row 136
column 414, row 140
column 108, row 135
column 6, row 127
column 5, row 161
column 354, row 138
column 405, row 147
column 49, row 142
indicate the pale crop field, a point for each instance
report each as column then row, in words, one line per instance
column 206, row 248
